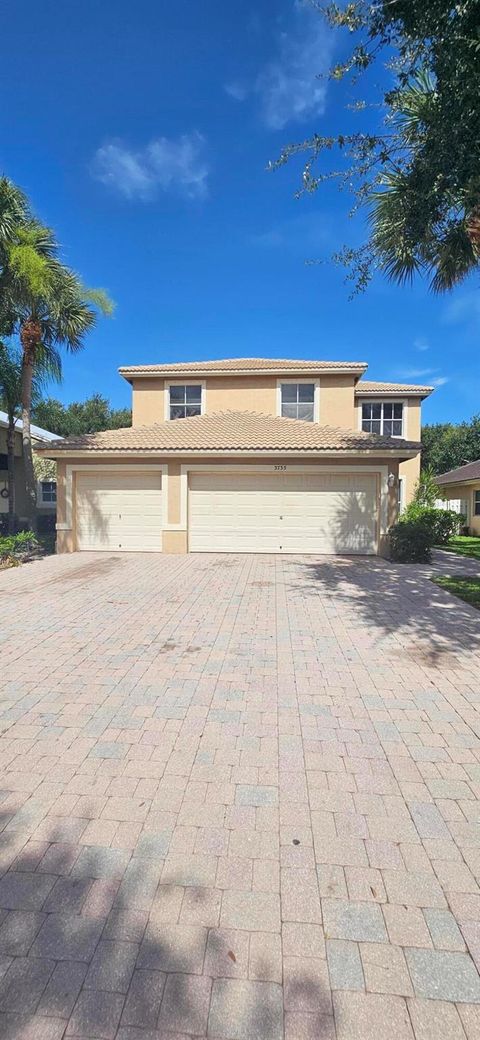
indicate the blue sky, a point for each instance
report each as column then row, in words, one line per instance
column 142, row 133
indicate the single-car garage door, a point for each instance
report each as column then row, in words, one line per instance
column 121, row 511
column 283, row 512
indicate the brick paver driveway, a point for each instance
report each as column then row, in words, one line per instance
column 239, row 799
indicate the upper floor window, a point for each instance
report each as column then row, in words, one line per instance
column 476, row 503
column 185, row 401
column 298, row 401
column 385, row 417
column 49, row 491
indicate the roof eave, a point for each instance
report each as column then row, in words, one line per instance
column 458, row 480
column 359, row 392
column 88, row 453
column 129, row 374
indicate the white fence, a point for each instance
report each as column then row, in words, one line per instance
column 459, row 505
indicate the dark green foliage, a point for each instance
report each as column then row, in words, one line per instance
column 414, row 155
column 448, row 445
column 442, row 523
column 446, row 524
column 410, row 542
column 419, row 529
column 90, row 416
column 17, row 546
column 426, row 490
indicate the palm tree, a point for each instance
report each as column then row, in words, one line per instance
column 10, row 401
column 49, row 308
column 418, row 223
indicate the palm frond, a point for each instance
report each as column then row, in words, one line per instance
column 455, row 257
column 414, row 106
column 100, row 299
column 391, row 219
column 13, row 209
column 36, row 285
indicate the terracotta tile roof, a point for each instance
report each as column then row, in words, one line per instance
column 365, row 386
column 231, row 433
column 243, row 365
column 471, row 471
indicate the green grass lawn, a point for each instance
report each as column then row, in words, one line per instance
column 464, row 545
column 467, row 589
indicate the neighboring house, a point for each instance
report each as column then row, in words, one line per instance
column 46, row 489
column 247, row 455
column 463, row 484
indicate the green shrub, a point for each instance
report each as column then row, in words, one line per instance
column 443, row 523
column 411, row 541
column 447, row 523
column 17, row 546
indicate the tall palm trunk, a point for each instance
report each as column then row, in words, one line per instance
column 11, row 473
column 30, row 337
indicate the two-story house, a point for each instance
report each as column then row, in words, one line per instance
column 244, row 455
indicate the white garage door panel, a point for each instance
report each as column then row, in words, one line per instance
column 121, row 511
column 270, row 512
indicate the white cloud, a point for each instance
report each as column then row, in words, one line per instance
column 421, row 344
column 292, row 86
column 463, row 309
column 164, row 164
column 305, row 231
column 422, row 373
column 237, row 91
column 415, row 373
column 288, row 87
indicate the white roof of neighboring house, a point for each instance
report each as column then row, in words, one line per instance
column 37, row 432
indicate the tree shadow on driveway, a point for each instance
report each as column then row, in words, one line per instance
column 92, row 944
column 395, row 602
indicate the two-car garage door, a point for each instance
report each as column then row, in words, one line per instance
column 283, row 512
column 119, row 509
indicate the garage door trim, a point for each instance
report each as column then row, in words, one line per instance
column 381, row 471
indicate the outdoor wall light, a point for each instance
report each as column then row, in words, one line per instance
column 392, row 480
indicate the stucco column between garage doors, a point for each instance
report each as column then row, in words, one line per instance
column 175, row 533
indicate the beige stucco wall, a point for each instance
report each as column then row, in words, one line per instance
column 243, row 394
column 257, row 393
column 337, row 401
column 465, row 492
column 409, row 470
column 175, row 541
column 147, row 401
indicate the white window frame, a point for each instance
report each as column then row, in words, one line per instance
column 475, row 493
column 382, row 401
column 316, row 396
column 184, row 382
column 401, row 495
column 41, row 501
